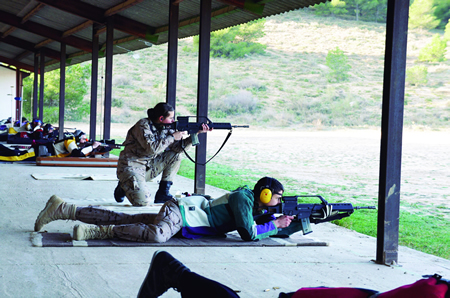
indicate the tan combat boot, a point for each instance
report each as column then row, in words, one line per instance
column 55, row 209
column 86, row 232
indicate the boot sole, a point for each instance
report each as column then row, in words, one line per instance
column 119, row 194
column 149, row 270
column 51, row 202
column 76, row 235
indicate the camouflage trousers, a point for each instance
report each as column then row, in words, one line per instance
column 134, row 180
column 144, row 227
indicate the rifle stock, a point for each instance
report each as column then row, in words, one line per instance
column 315, row 213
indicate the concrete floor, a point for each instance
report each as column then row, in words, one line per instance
column 27, row 271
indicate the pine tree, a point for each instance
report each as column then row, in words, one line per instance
column 421, row 15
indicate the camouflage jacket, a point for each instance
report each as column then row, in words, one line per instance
column 144, row 142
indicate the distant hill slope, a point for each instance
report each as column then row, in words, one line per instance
column 287, row 86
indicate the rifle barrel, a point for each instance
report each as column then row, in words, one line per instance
column 364, row 207
column 240, row 126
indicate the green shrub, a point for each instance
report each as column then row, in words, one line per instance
column 434, row 51
column 417, row 75
column 236, row 42
column 117, row 102
column 339, row 67
column 236, row 104
column 121, row 80
column 251, row 84
column 447, row 31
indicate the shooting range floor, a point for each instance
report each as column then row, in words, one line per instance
column 29, row 271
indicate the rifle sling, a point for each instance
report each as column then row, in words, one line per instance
column 223, row 144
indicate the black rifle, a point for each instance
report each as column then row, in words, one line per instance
column 315, row 213
column 183, row 124
column 104, row 147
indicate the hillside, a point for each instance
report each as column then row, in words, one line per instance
column 287, row 85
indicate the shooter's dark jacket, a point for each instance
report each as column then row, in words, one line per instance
column 230, row 212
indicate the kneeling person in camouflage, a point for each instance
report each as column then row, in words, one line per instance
column 150, row 149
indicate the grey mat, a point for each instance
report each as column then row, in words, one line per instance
column 65, row 240
column 58, row 176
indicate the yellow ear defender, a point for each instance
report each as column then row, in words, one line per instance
column 266, row 192
column 265, row 196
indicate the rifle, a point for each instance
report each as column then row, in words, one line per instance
column 183, row 124
column 315, row 213
column 104, row 147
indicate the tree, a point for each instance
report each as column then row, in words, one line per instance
column 76, row 89
column 338, row 64
column 238, row 41
column 447, row 31
column 421, row 15
column 334, row 7
column 442, row 12
column 368, row 10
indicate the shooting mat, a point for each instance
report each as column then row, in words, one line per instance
column 45, row 239
column 59, row 176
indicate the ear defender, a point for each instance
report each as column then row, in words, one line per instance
column 266, row 192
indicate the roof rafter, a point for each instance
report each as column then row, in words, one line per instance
column 78, row 28
column 253, row 7
column 23, row 55
column 16, row 63
column 45, row 31
column 99, row 15
column 194, row 20
column 25, row 18
column 26, row 45
column 120, row 7
column 32, row 12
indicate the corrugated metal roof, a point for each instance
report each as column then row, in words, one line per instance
column 27, row 26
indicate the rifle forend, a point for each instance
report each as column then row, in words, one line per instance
column 316, row 213
column 183, row 124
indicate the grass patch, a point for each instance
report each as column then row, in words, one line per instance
column 426, row 233
column 221, row 176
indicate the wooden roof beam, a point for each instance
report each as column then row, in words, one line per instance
column 43, row 43
column 196, row 19
column 45, row 31
column 121, row 7
column 26, row 45
column 16, row 64
column 78, row 8
column 25, row 18
column 23, row 55
column 8, row 32
column 253, row 7
column 77, row 28
column 32, row 12
column 98, row 15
